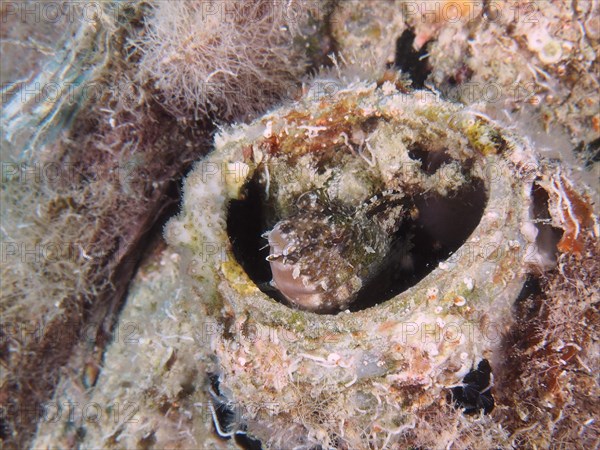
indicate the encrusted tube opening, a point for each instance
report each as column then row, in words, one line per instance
column 374, row 241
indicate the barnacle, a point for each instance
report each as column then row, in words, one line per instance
column 452, row 203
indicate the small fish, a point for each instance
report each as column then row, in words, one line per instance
column 323, row 254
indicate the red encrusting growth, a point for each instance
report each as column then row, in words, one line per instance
column 579, row 218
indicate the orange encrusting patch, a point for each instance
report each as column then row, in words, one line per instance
column 579, row 218
column 596, row 123
column 329, row 127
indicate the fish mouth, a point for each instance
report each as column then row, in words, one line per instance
column 297, row 288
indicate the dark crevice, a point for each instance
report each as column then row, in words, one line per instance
column 588, row 152
column 4, row 428
column 475, row 394
column 229, row 419
column 430, row 160
column 246, row 222
column 530, row 289
column 410, row 61
column 322, row 44
column 247, row 442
